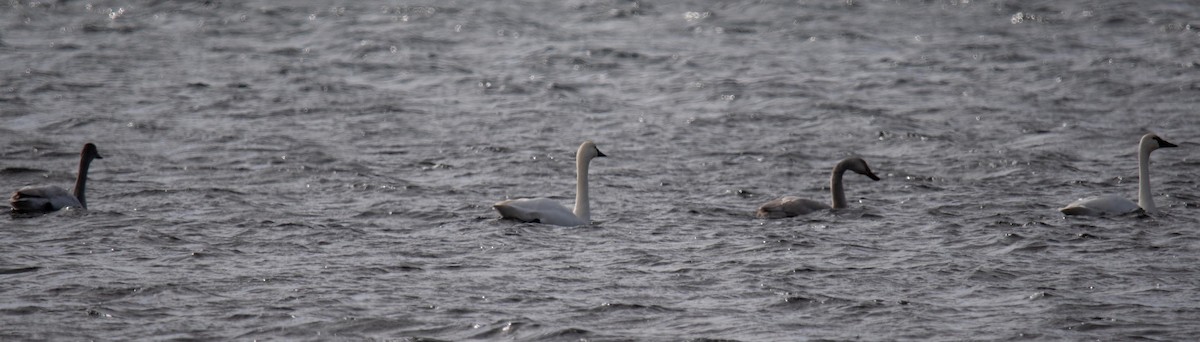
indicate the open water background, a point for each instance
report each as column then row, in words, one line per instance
column 310, row 170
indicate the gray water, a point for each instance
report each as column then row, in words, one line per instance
column 305, row 170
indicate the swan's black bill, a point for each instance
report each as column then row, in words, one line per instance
column 1164, row 143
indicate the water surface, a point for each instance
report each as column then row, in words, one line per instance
column 318, row 171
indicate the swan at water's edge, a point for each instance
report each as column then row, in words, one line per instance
column 789, row 206
column 545, row 210
column 47, row 198
column 1116, row 205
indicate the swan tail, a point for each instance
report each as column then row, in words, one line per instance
column 508, row 211
column 767, row 213
column 23, row 204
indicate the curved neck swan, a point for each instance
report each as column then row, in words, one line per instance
column 48, row 198
column 548, row 211
column 789, row 206
column 1119, row 205
column 1149, row 143
column 835, row 180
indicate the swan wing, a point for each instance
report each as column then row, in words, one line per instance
column 1100, row 206
column 543, row 210
column 789, row 206
column 42, row 199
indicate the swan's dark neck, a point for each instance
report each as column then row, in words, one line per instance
column 835, row 186
column 81, row 180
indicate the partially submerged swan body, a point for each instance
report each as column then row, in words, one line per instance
column 539, row 210
column 790, row 206
column 1116, row 205
column 547, row 211
column 48, row 198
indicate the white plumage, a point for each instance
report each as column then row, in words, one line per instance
column 543, row 210
column 547, row 211
column 1117, row 205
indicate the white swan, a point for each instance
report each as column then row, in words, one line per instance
column 47, row 198
column 1116, row 205
column 789, row 206
column 545, row 210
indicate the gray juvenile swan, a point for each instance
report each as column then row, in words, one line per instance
column 789, row 206
column 1117, row 205
column 47, row 198
column 545, row 210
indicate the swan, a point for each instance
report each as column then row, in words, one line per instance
column 47, row 198
column 1116, row 205
column 547, row 211
column 789, row 206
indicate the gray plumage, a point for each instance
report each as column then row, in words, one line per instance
column 47, row 198
column 789, row 206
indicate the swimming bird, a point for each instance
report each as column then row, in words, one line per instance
column 47, row 198
column 547, row 211
column 789, row 206
column 1117, row 205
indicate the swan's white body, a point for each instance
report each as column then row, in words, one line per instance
column 1117, row 205
column 1101, row 206
column 789, row 206
column 547, row 211
column 543, row 210
column 47, row 198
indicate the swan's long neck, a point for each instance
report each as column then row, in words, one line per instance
column 835, row 186
column 81, row 180
column 1145, row 199
column 582, row 208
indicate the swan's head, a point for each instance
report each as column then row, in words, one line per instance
column 90, row 152
column 588, row 150
column 859, row 166
column 1151, row 142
